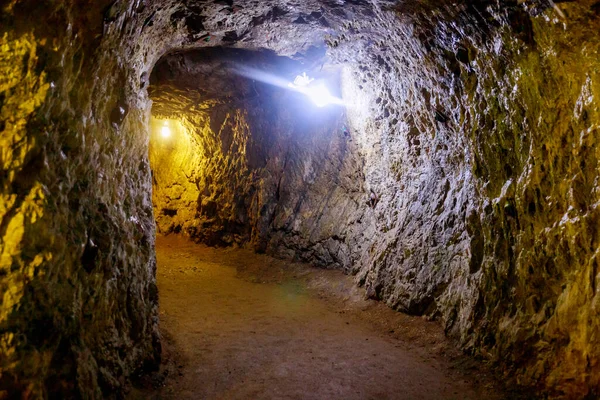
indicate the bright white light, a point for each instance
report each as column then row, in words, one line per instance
column 316, row 91
column 302, row 80
column 165, row 131
column 319, row 95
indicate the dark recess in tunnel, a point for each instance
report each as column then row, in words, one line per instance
column 237, row 110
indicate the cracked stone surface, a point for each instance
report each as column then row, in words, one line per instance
column 475, row 123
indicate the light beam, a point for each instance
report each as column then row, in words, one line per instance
column 316, row 91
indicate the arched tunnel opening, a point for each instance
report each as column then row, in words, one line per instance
column 240, row 155
column 318, row 199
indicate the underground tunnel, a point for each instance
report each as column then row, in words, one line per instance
column 281, row 199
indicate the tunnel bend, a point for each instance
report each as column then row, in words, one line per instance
column 248, row 161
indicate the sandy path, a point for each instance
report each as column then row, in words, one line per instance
column 237, row 325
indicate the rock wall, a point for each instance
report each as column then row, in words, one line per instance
column 475, row 123
column 489, row 209
column 79, row 300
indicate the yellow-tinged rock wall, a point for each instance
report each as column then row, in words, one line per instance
column 78, row 302
column 176, row 160
column 19, row 210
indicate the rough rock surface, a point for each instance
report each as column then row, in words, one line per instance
column 476, row 123
column 492, row 171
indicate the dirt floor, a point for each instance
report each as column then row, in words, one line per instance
column 237, row 325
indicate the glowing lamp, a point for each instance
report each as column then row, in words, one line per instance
column 319, row 94
column 302, row 80
column 165, row 131
column 316, row 92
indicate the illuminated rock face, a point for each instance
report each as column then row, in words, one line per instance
column 489, row 209
column 475, row 125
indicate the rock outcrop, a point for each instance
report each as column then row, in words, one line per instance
column 474, row 123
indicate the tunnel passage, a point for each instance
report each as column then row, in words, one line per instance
column 477, row 123
column 239, row 157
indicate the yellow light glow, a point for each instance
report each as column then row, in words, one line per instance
column 165, row 131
